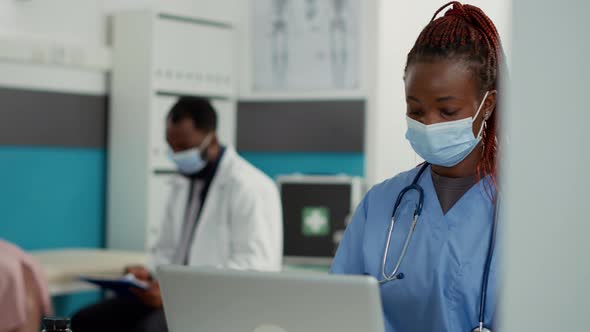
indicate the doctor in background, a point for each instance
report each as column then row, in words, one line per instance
column 222, row 212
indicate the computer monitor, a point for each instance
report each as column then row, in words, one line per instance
column 316, row 211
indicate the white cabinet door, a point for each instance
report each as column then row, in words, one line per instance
column 192, row 58
column 223, row 11
column 226, row 121
column 160, row 187
column 159, row 147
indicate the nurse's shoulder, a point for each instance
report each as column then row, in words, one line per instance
column 392, row 186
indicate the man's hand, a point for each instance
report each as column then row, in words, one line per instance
column 152, row 297
column 140, row 272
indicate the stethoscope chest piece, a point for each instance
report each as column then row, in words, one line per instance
column 478, row 329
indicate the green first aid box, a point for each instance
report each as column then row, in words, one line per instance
column 316, row 211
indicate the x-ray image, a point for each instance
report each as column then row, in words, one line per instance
column 311, row 9
column 338, row 39
column 280, row 43
column 305, row 44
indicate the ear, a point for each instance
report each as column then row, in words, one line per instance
column 489, row 105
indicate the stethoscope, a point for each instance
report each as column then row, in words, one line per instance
column 395, row 275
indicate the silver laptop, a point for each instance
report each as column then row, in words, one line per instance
column 206, row 300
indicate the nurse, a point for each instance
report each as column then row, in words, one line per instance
column 452, row 88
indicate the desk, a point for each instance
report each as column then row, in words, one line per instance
column 63, row 267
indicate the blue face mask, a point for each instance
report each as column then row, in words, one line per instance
column 190, row 161
column 447, row 143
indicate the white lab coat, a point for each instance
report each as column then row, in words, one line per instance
column 240, row 225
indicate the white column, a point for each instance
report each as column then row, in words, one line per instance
column 547, row 264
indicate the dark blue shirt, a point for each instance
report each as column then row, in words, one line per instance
column 206, row 175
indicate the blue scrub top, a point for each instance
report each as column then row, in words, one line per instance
column 444, row 263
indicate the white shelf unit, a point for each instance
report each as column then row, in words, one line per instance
column 156, row 58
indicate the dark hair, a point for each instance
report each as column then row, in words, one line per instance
column 198, row 109
column 466, row 33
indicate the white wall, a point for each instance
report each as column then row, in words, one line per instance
column 75, row 21
column 547, row 268
column 399, row 23
column 62, row 45
column 39, row 32
column 111, row 6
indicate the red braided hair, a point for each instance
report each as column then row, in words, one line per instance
column 466, row 33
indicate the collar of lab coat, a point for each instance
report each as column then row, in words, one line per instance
column 226, row 163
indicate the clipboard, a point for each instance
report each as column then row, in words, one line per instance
column 119, row 285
